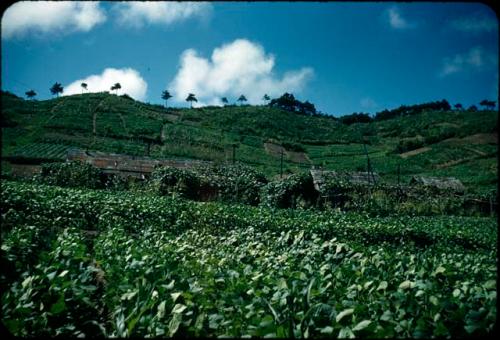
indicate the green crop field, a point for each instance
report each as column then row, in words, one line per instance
column 125, row 261
column 457, row 140
column 82, row 262
column 249, row 170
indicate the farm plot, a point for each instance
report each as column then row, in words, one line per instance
column 41, row 150
column 164, row 267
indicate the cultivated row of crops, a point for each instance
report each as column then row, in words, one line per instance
column 89, row 262
column 42, row 150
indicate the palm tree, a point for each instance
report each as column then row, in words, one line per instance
column 56, row 89
column 191, row 98
column 166, row 96
column 224, row 100
column 30, row 94
column 266, row 98
column 242, row 99
column 116, row 87
column 488, row 105
column 84, row 86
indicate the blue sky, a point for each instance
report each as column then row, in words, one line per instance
column 343, row 57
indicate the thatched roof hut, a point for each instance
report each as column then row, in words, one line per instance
column 442, row 183
column 354, row 178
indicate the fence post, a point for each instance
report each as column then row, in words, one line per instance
column 281, row 166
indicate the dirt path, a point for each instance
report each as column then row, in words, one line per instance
column 298, row 157
column 414, row 152
column 480, row 153
column 451, row 163
column 94, row 116
column 294, row 156
column 482, row 138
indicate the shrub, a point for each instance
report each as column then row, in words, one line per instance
column 356, row 118
column 291, row 146
column 126, row 96
column 168, row 180
column 233, row 183
column 295, row 190
column 409, row 144
column 71, row 174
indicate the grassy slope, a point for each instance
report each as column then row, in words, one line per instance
column 48, row 128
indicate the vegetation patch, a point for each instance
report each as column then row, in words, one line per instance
column 168, row 267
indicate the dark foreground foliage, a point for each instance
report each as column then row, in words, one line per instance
column 95, row 263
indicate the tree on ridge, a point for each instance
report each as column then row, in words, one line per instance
column 30, row 94
column 165, row 95
column 242, row 99
column 191, row 98
column 56, row 89
column 116, row 87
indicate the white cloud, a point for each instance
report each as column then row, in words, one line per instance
column 130, row 80
column 476, row 23
column 49, row 17
column 138, row 13
column 396, row 20
column 240, row 67
column 476, row 58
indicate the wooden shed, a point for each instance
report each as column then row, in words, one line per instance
column 125, row 165
column 354, row 178
column 442, row 183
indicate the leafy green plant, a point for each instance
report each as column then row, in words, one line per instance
column 291, row 192
column 170, row 180
column 71, row 174
column 161, row 266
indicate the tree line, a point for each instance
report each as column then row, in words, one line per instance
column 289, row 103
column 409, row 110
column 57, row 89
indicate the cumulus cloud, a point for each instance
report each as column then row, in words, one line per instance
column 138, row 13
column 396, row 20
column 130, row 80
column 476, row 23
column 49, row 17
column 476, row 58
column 240, row 67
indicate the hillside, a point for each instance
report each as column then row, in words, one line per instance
column 455, row 143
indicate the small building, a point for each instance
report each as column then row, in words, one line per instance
column 354, row 178
column 125, row 165
column 441, row 183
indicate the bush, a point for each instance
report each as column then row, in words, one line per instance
column 71, row 174
column 168, row 180
column 126, row 96
column 356, row 118
column 437, row 135
column 291, row 192
column 409, row 144
column 233, row 183
column 291, row 146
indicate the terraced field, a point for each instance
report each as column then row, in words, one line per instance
column 98, row 121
